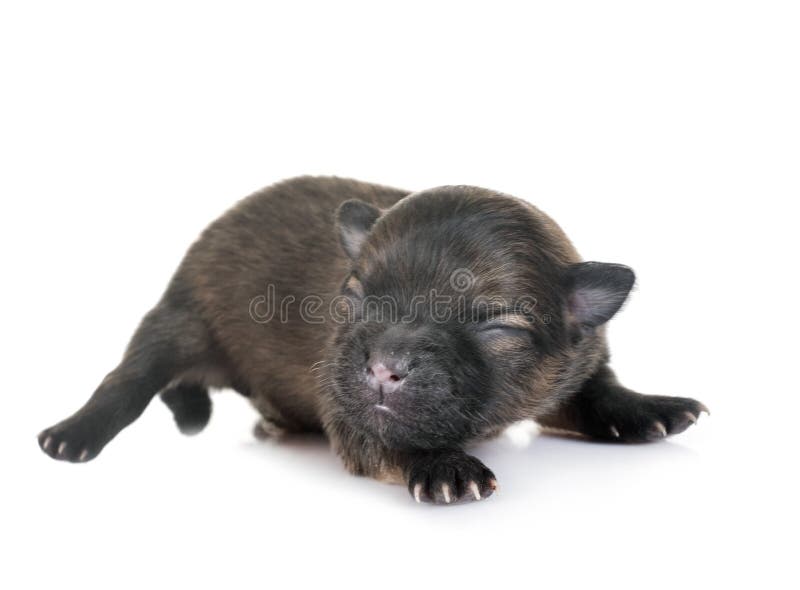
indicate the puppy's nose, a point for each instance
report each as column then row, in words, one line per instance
column 385, row 376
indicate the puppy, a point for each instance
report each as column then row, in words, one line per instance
column 404, row 326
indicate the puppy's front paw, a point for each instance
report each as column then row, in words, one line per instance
column 642, row 418
column 73, row 440
column 446, row 478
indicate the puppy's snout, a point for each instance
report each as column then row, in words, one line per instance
column 386, row 375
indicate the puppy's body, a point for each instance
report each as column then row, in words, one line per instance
column 275, row 249
column 317, row 299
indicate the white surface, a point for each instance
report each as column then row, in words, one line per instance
column 661, row 137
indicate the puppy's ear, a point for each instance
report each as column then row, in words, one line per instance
column 354, row 220
column 596, row 291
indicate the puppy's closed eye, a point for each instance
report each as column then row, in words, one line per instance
column 499, row 331
column 509, row 323
column 505, row 333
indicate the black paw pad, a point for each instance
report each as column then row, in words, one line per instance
column 447, row 478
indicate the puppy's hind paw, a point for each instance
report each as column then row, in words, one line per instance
column 190, row 405
column 266, row 429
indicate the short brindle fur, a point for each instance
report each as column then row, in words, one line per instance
column 399, row 396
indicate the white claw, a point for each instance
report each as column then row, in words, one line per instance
column 475, row 491
column 46, row 443
column 661, row 428
column 62, row 447
column 446, row 493
column 84, row 454
column 692, row 417
column 614, row 432
column 417, row 492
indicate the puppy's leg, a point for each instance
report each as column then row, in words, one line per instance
column 169, row 341
column 442, row 476
column 606, row 410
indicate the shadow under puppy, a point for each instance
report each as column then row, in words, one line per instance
column 403, row 326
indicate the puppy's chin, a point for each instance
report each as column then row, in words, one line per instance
column 397, row 430
column 393, row 430
column 398, row 435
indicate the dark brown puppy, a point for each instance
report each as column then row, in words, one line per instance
column 404, row 326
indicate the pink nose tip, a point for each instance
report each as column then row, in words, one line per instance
column 382, row 373
column 381, row 377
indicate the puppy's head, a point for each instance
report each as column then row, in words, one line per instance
column 464, row 310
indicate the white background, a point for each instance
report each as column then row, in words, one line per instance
column 660, row 135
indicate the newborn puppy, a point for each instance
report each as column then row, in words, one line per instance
column 403, row 326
